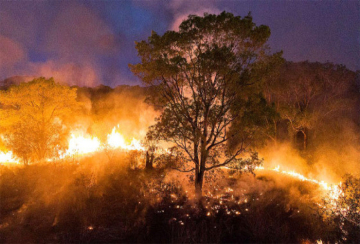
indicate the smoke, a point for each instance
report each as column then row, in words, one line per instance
column 181, row 9
column 334, row 151
column 77, row 33
column 69, row 42
column 11, row 52
column 123, row 107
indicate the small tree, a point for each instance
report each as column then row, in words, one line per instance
column 151, row 145
column 34, row 118
column 208, row 76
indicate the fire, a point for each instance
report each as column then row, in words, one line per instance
column 8, row 157
column 82, row 145
column 333, row 190
column 86, row 144
column 116, row 140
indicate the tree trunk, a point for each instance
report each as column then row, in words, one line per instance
column 199, row 178
column 149, row 161
column 26, row 161
column 305, row 139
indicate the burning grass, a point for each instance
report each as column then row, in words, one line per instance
column 95, row 199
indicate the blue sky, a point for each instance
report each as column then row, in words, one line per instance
column 92, row 42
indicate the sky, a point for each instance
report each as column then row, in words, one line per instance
column 88, row 43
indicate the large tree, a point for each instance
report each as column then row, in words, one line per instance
column 208, row 75
column 34, row 117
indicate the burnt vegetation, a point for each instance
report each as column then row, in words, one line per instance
column 84, row 203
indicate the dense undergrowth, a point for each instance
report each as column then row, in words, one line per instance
column 99, row 200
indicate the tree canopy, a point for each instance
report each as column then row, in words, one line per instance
column 306, row 94
column 34, row 117
column 208, row 75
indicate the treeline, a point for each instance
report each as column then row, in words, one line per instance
column 313, row 100
column 315, row 106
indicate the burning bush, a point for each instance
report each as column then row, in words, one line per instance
column 35, row 118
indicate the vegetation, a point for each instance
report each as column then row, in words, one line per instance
column 35, row 118
column 95, row 200
column 308, row 95
column 208, row 75
column 346, row 209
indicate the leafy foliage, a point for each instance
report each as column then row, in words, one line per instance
column 35, row 116
column 208, row 75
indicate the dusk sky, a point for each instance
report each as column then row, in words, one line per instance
column 92, row 42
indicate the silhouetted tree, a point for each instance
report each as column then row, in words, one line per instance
column 208, row 76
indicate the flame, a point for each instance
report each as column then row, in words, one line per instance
column 333, row 191
column 8, row 157
column 116, row 140
column 82, row 145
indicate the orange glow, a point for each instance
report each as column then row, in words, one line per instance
column 116, row 140
column 82, row 145
column 333, row 190
column 85, row 144
column 8, row 157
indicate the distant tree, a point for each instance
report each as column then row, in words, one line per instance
column 35, row 118
column 307, row 93
column 208, row 75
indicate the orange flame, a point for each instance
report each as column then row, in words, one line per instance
column 8, row 157
column 333, row 190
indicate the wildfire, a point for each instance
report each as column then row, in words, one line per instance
column 333, row 190
column 7, row 157
column 82, row 145
column 116, row 140
column 86, row 144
